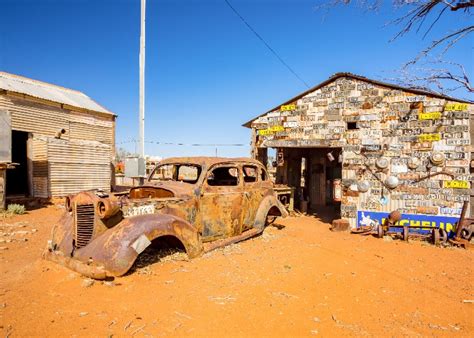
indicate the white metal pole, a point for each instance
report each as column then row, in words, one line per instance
column 142, row 84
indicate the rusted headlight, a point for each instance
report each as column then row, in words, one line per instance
column 107, row 207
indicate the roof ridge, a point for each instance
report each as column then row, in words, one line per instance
column 335, row 76
column 50, row 92
column 34, row 81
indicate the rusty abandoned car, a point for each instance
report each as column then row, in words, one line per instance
column 204, row 203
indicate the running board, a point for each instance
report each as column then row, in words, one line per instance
column 223, row 242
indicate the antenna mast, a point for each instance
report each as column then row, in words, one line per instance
column 141, row 134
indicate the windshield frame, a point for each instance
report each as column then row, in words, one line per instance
column 177, row 165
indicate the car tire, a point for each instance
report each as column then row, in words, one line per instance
column 443, row 236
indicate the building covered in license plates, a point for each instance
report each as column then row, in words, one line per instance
column 357, row 148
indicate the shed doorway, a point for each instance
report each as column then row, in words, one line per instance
column 17, row 178
column 323, row 177
column 313, row 173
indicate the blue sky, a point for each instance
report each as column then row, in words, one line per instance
column 206, row 73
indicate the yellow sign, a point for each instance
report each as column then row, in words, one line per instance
column 270, row 130
column 276, row 128
column 429, row 116
column 456, row 184
column 456, row 107
column 429, row 137
column 288, row 107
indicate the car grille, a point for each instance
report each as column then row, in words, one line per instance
column 84, row 224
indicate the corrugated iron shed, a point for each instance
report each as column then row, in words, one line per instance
column 50, row 92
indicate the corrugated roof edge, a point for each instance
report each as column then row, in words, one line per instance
column 362, row 78
column 23, row 78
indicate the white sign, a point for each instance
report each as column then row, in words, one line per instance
column 140, row 210
column 399, row 168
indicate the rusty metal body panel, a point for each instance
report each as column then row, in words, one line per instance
column 225, row 200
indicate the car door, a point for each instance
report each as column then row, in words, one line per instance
column 220, row 202
column 253, row 192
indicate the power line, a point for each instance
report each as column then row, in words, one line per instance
column 266, row 44
column 188, row 144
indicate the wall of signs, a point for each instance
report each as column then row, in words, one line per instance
column 400, row 150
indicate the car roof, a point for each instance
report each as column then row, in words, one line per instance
column 209, row 161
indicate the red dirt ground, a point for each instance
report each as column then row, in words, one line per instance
column 298, row 279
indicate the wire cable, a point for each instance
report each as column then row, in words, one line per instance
column 189, row 144
column 266, row 44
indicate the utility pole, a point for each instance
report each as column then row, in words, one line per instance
column 141, row 134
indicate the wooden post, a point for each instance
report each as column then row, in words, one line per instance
column 29, row 163
column 3, row 188
column 262, row 156
column 253, row 144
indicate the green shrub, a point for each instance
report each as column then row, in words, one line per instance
column 17, row 209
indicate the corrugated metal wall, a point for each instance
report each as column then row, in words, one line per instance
column 34, row 117
column 63, row 167
column 80, row 160
column 78, row 165
column 46, row 120
column 92, row 128
column 40, row 168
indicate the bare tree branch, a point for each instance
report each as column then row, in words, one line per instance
column 434, row 22
column 460, row 5
column 417, row 14
column 452, row 73
column 450, row 39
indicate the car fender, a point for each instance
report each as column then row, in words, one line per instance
column 266, row 205
column 117, row 248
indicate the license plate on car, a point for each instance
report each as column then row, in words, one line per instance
column 139, row 210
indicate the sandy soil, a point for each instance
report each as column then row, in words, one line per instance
column 297, row 279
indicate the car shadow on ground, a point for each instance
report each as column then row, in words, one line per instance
column 277, row 225
column 162, row 249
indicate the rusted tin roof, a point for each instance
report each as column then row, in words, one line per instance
column 49, row 92
column 361, row 78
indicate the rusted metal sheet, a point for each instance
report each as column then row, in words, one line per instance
column 204, row 203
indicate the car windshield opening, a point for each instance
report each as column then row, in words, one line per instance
column 187, row 173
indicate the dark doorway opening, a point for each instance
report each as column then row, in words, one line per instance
column 325, row 173
column 17, row 179
column 315, row 174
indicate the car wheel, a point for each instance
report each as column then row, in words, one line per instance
column 443, row 236
column 466, row 234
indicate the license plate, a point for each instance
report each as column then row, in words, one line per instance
column 140, row 210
